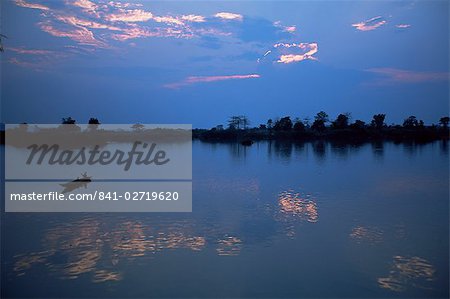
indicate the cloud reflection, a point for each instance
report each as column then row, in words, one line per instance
column 407, row 272
column 292, row 204
column 229, row 246
column 86, row 247
column 362, row 234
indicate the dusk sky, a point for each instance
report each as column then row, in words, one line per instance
column 200, row 62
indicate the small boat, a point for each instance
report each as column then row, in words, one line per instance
column 77, row 183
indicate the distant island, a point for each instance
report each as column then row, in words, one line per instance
column 238, row 129
column 285, row 128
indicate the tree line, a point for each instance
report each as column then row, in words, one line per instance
column 238, row 128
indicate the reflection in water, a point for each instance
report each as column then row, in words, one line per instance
column 408, row 272
column 236, row 205
column 444, row 147
column 84, row 247
column 366, row 234
column 104, row 275
column 292, row 204
column 237, row 150
column 283, row 149
column 378, row 149
column 229, row 246
column 25, row 261
column 293, row 208
column 320, row 150
column 241, row 184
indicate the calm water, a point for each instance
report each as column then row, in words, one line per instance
column 271, row 220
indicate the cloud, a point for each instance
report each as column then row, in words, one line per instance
column 133, row 15
column 168, row 20
column 80, row 34
column 30, row 51
column 37, row 59
column 22, row 63
column 104, row 25
column 77, row 22
column 206, row 79
column 141, row 32
column 193, row 18
column 370, row 24
column 403, row 26
column 292, row 52
column 23, row 3
column 290, row 29
column 392, row 75
column 123, row 4
column 87, row 6
column 229, row 16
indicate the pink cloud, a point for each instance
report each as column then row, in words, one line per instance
column 370, row 24
column 403, row 26
column 87, row 6
column 290, row 29
column 23, row 3
column 133, row 33
column 392, row 75
column 130, row 16
column 77, row 22
column 141, row 32
column 229, row 16
column 79, row 34
column 204, row 79
column 30, row 51
column 22, row 63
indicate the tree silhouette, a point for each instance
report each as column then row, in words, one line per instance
column 238, row 122
column 68, row 121
column 283, row 124
column 299, row 126
column 319, row 121
column 341, row 121
column 233, row 122
column 411, row 122
column 378, row 121
column 443, row 121
column 93, row 121
column 244, row 121
column 269, row 124
column 358, row 125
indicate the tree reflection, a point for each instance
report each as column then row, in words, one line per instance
column 378, row 149
column 283, row 149
column 319, row 149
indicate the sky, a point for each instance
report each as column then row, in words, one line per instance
column 200, row 62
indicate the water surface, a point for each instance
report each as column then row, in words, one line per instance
column 271, row 220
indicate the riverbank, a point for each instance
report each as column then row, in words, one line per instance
column 424, row 134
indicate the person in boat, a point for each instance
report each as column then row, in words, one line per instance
column 77, row 183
